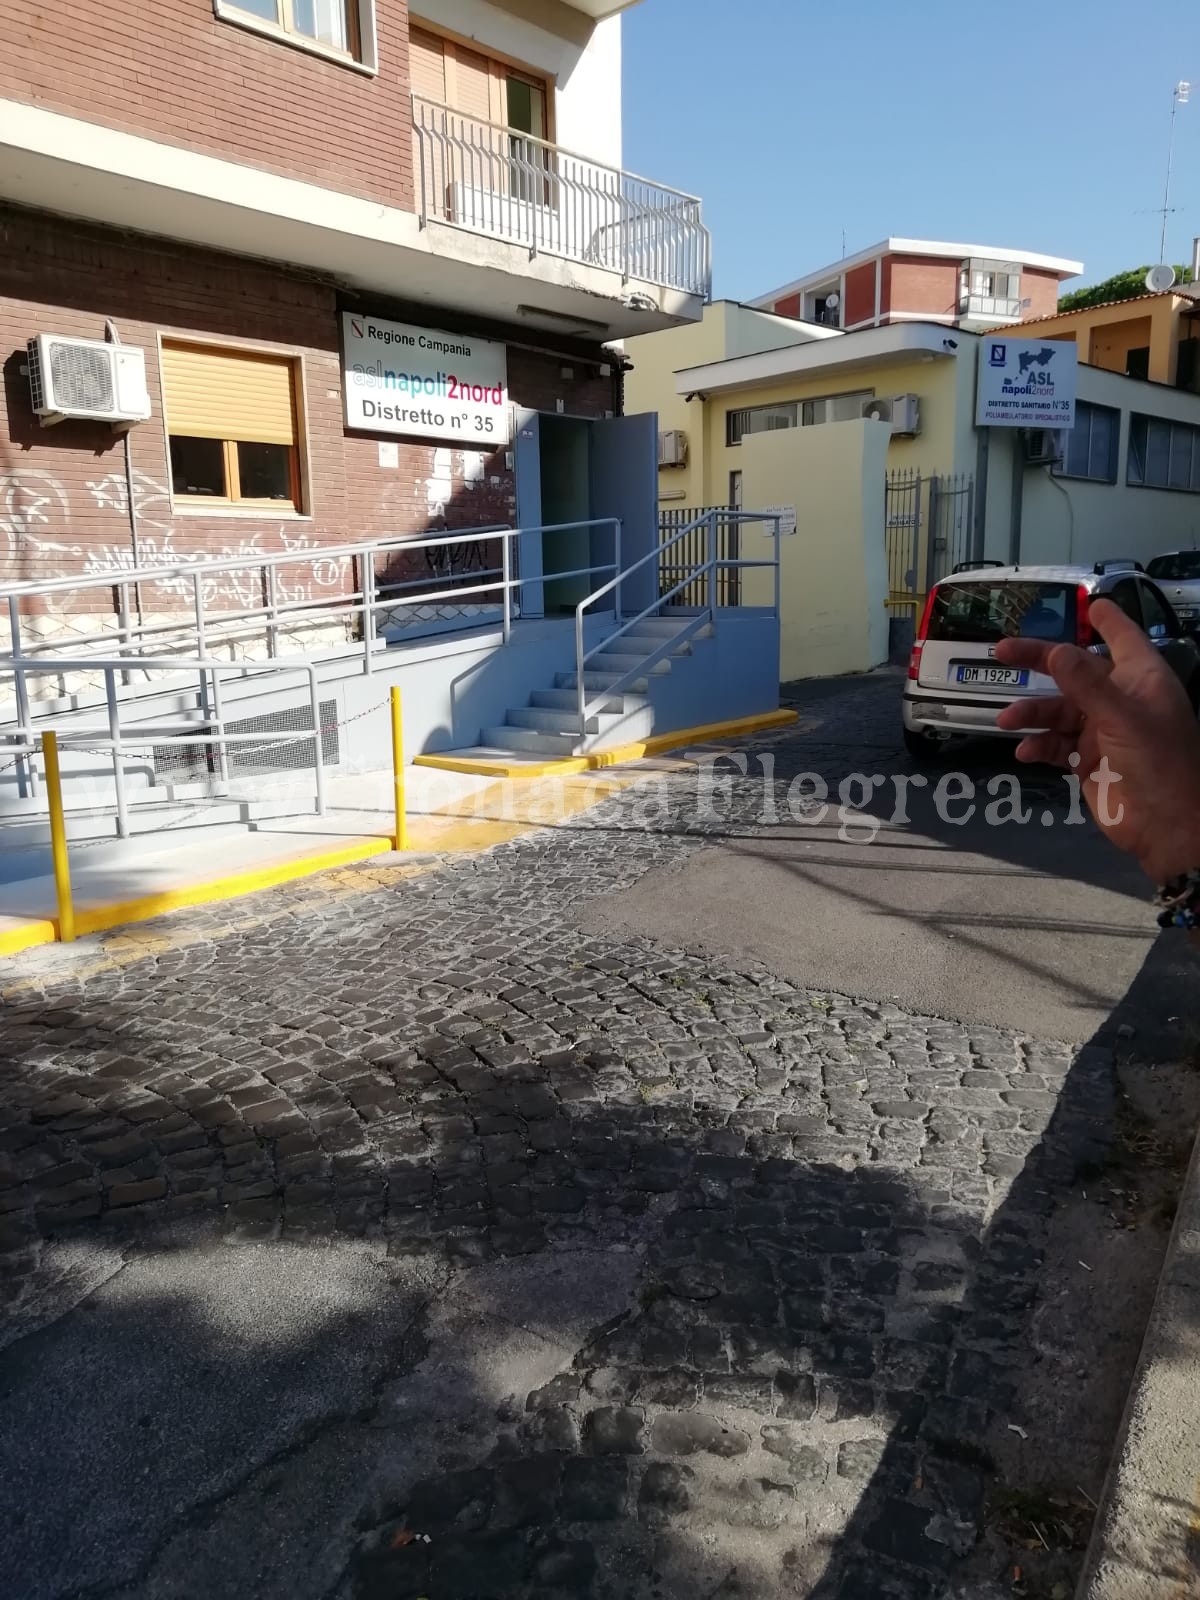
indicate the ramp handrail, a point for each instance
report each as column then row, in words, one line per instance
column 708, row 567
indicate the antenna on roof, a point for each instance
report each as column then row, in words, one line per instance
column 1179, row 97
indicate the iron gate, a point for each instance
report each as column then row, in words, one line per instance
column 692, row 551
column 929, row 530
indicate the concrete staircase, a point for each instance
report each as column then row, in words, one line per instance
column 549, row 725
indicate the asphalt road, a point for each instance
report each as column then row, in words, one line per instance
column 1041, row 925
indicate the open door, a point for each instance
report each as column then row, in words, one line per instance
column 528, row 458
column 624, row 483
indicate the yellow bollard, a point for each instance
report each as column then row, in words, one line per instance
column 398, row 770
column 58, row 839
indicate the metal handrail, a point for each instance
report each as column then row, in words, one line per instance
column 360, row 600
column 23, row 736
column 498, row 180
column 709, row 566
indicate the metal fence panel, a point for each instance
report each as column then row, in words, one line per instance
column 929, row 523
column 692, row 551
column 902, row 534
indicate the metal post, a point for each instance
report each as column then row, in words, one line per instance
column 580, row 691
column 314, row 695
column 1017, row 508
column 58, row 839
column 778, row 569
column 272, row 600
column 123, row 617
column 366, row 567
column 935, row 521
column 201, row 640
column 979, row 523
column 401, row 833
column 26, row 776
column 506, row 576
column 712, row 562
column 219, row 724
column 617, row 561
column 114, row 733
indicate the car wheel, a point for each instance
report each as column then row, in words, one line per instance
column 924, row 748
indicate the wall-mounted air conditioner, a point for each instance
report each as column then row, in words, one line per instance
column 673, row 448
column 1043, row 447
column 87, row 378
column 902, row 412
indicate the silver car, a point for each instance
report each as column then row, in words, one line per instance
column 956, row 686
column 1178, row 576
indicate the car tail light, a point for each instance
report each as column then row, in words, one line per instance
column 914, row 660
column 1085, row 634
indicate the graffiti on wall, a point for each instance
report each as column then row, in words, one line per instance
column 35, row 538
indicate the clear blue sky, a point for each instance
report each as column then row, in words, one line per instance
column 1039, row 128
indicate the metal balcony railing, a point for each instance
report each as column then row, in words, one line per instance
column 989, row 305
column 493, row 180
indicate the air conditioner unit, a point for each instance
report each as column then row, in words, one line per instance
column 1043, row 447
column 87, row 378
column 902, row 412
column 673, row 448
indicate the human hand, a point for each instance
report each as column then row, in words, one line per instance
column 1130, row 711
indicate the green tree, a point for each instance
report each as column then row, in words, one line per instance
column 1122, row 286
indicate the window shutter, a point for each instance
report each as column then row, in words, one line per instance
column 229, row 394
column 427, row 58
column 473, row 90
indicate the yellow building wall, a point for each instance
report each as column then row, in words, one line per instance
column 1104, row 335
column 650, row 386
column 937, row 448
column 833, row 569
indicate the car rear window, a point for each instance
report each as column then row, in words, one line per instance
column 1183, row 567
column 982, row 613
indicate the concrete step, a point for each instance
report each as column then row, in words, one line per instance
column 640, row 643
column 618, row 663
column 567, row 700
column 542, row 720
column 599, row 680
column 527, row 741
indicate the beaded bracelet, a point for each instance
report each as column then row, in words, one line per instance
column 1179, row 900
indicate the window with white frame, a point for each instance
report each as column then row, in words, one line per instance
column 1163, row 454
column 795, row 414
column 330, row 24
column 992, row 288
column 1090, row 449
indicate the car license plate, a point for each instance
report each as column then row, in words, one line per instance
column 1186, row 612
column 989, row 677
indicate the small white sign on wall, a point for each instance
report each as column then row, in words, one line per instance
column 424, row 383
column 389, row 454
column 787, row 520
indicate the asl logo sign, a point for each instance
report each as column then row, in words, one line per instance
column 1027, row 383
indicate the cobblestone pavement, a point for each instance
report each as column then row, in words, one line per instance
column 704, row 1284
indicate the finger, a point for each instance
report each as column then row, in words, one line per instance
column 1082, row 677
column 1051, row 712
column 1123, row 636
column 1032, row 653
column 1049, row 749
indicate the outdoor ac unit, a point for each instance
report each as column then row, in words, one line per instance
column 1043, row 447
column 87, row 378
column 673, row 448
column 902, row 412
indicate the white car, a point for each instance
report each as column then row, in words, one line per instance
column 956, row 686
column 1178, row 575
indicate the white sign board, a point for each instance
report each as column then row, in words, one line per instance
column 787, row 520
column 1026, row 383
column 423, row 383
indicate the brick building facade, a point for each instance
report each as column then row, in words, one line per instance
column 203, row 183
column 904, row 280
column 63, row 499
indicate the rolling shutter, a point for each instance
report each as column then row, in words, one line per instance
column 427, row 64
column 229, row 394
column 473, row 85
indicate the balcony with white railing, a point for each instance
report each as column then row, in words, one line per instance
column 511, row 186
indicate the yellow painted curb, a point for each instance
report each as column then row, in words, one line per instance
column 485, row 767
column 27, row 936
column 102, row 918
